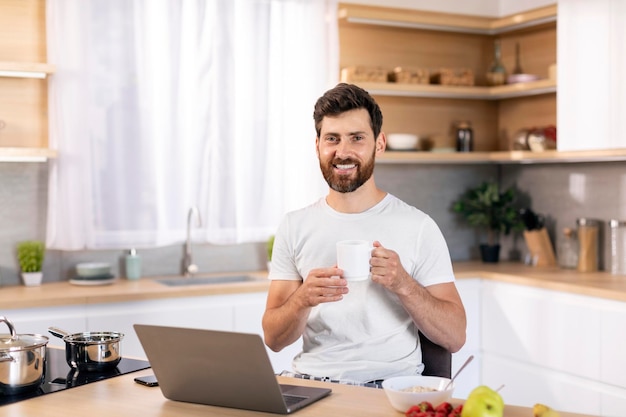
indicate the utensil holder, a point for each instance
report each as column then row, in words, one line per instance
column 540, row 247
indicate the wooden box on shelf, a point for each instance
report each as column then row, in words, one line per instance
column 453, row 76
column 404, row 75
column 364, row 74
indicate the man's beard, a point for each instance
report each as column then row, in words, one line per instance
column 343, row 183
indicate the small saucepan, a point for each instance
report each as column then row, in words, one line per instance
column 22, row 361
column 91, row 351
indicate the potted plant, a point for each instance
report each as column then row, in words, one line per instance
column 270, row 248
column 30, row 255
column 492, row 211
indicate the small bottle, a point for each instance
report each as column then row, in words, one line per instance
column 133, row 265
column 618, row 247
column 568, row 250
column 497, row 72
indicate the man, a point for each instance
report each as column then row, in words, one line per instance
column 367, row 330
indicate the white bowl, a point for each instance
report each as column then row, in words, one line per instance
column 403, row 400
column 93, row 269
column 402, row 141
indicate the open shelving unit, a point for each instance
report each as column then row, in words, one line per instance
column 394, row 35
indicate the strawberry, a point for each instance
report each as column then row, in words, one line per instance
column 444, row 408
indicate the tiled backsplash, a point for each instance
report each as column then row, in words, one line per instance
column 562, row 192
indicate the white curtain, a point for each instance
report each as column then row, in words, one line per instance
column 158, row 105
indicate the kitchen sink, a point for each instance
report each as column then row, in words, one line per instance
column 204, row 280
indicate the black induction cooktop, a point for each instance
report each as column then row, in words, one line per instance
column 59, row 375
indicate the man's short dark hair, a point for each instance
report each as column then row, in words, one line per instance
column 345, row 97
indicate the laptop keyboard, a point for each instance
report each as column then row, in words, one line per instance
column 293, row 399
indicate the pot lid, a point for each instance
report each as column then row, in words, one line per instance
column 13, row 341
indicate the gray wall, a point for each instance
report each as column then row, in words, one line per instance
column 562, row 192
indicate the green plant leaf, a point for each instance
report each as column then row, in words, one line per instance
column 30, row 255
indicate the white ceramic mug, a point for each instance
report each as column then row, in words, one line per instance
column 353, row 257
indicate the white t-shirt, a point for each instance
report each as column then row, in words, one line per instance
column 368, row 335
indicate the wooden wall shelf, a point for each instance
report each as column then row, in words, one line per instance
column 446, row 22
column 466, row 93
column 26, row 154
column 25, row 69
column 502, row 157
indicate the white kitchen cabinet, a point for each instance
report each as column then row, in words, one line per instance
column 37, row 321
column 592, row 92
column 214, row 312
column 547, row 328
column 231, row 312
column 562, row 349
column 248, row 315
column 470, row 292
column 527, row 384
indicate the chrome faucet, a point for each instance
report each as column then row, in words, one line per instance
column 189, row 267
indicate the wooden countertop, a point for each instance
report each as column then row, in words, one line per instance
column 597, row 284
column 121, row 397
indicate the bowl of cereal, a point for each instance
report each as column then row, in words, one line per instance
column 403, row 392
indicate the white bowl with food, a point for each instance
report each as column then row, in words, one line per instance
column 403, row 392
column 402, row 141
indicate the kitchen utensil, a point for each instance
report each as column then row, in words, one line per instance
column 467, row 361
column 90, row 351
column 529, row 218
column 22, row 360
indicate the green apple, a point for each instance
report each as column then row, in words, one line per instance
column 483, row 402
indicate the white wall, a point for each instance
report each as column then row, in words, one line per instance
column 493, row 8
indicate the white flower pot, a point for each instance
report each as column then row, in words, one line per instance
column 32, row 279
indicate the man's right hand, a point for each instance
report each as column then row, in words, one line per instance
column 322, row 285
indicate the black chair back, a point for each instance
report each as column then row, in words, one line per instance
column 437, row 360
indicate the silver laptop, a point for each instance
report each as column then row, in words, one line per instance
column 225, row 369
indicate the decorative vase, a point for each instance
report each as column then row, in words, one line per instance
column 490, row 253
column 32, row 279
column 497, row 72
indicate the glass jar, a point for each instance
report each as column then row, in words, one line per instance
column 568, row 249
column 617, row 244
column 588, row 244
column 464, row 137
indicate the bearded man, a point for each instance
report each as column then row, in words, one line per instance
column 360, row 331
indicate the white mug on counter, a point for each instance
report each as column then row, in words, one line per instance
column 353, row 257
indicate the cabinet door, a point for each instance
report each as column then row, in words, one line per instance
column 469, row 289
column 613, row 344
column 213, row 312
column 37, row 321
column 551, row 329
column 526, row 385
column 591, row 66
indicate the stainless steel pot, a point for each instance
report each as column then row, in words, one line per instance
column 22, row 360
column 91, row 351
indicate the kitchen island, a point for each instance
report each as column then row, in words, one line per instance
column 122, row 397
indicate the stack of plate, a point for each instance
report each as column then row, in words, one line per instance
column 93, row 273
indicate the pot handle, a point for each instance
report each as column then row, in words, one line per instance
column 10, row 326
column 55, row 331
column 5, row 357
